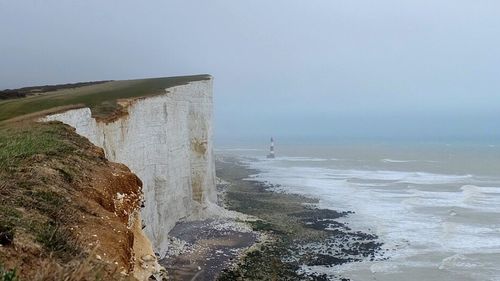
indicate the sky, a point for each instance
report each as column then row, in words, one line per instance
column 295, row 69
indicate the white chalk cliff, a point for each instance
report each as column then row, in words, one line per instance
column 166, row 140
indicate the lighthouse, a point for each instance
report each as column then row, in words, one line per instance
column 271, row 149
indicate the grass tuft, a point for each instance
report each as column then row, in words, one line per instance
column 8, row 275
column 48, row 200
column 58, row 241
column 66, row 174
column 9, row 218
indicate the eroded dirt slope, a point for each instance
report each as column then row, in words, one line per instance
column 64, row 208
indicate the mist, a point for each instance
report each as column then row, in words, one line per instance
column 423, row 70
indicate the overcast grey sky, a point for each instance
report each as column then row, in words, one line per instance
column 323, row 68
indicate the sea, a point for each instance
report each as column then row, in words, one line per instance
column 434, row 206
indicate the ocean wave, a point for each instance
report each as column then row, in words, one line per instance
column 473, row 189
column 239, row 149
column 483, row 197
column 301, row 159
column 457, row 261
column 401, row 176
column 271, row 170
column 384, row 267
column 418, row 212
column 388, row 160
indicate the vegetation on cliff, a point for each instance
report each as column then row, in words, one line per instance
column 66, row 212
column 64, row 209
column 101, row 98
column 37, row 90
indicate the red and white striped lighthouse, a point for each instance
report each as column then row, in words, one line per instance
column 271, row 149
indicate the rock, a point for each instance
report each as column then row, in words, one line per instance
column 148, row 258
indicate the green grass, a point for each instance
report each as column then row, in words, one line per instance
column 8, row 275
column 10, row 217
column 100, row 98
column 48, row 202
column 24, row 150
column 24, row 142
column 58, row 241
column 42, row 165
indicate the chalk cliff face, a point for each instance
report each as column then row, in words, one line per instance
column 166, row 140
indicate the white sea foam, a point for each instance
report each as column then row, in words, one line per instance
column 415, row 213
column 457, row 261
column 388, row 160
column 400, row 176
column 238, row 149
column 384, row 267
column 481, row 189
column 300, row 159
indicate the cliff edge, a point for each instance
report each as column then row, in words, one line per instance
column 101, row 196
column 166, row 140
column 67, row 213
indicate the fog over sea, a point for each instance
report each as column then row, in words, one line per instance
column 435, row 206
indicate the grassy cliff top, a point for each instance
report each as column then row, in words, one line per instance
column 100, row 97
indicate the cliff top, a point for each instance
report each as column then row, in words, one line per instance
column 101, row 97
column 60, row 217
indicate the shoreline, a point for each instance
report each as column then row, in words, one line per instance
column 278, row 236
column 200, row 250
column 303, row 235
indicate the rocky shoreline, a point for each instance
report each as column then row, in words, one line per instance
column 303, row 236
column 278, row 237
